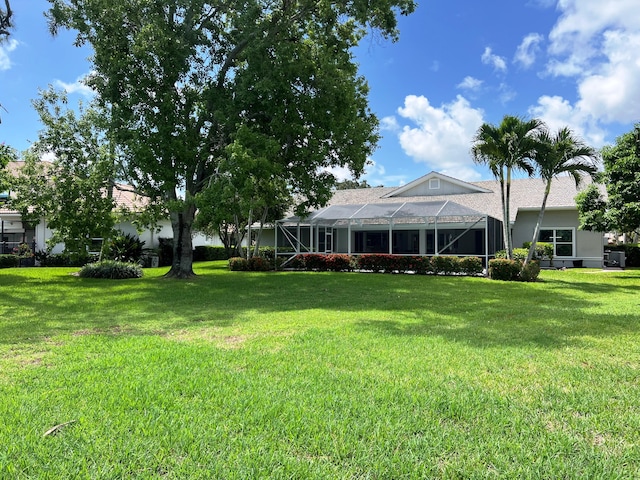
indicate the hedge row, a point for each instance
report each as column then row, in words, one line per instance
column 9, row 261
column 444, row 265
column 513, row 270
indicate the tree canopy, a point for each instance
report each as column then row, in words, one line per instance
column 555, row 154
column 504, row 148
column 620, row 211
column 182, row 78
column 72, row 190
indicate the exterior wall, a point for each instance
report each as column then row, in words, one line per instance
column 446, row 188
column 588, row 245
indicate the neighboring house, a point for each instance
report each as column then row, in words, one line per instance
column 14, row 231
column 440, row 215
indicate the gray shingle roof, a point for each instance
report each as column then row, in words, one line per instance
column 525, row 194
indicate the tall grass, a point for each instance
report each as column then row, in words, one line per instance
column 319, row 375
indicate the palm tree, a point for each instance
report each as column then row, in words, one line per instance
column 559, row 154
column 509, row 146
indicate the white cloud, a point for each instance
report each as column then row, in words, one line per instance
column 612, row 93
column 528, row 49
column 79, row 86
column 5, row 50
column 374, row 173
column 597, row 43
column 558, row 112
column 442, row 136
column 470, row 83
column 489, row 58
column 389, row 123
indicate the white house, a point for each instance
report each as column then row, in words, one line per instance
column 440, row 215
column 14, row 231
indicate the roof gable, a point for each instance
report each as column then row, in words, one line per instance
column 435, row 184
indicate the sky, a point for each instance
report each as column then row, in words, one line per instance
column 457, row 64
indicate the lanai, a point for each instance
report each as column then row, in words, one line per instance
column 415, row 228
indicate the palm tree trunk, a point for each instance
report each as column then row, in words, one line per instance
column 507, row 215
column 536, row 230
column 505, row 223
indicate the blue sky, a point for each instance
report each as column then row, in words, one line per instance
column 457, row 65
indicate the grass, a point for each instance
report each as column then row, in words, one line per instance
column 319, row 375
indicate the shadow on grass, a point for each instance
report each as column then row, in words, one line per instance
column 476, row 311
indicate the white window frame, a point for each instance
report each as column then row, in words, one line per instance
column 555, row 243
column 434, row 184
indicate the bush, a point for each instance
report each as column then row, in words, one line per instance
column 530, row 272
column 112, row 269
column 9, row 261
column 338, row 262
column 503, row 269
column 544, row 250
column 64, row 259
column 420, row 265
column 208, row 253
column 446, row 265
column 315, row 261
column 238, row 264
column 471, row 265
column 125, row 247
column 297, row 262
column 518, row 254
column 258, row 264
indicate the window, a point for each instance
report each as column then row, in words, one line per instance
column 562, row 240
column 434, row 184
column 372, row 242
column 406, row 241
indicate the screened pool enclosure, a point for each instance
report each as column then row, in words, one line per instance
column 410, row 228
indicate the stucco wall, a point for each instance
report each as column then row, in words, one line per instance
column 588, row 245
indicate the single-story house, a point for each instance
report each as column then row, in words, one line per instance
column 14, row 231
column 441, row 215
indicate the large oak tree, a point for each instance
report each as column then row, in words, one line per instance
column 181, row 78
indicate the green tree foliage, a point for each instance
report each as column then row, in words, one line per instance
column 557, row 154
column 182, row 78
column 351, row 184
column 72, row 190
column 504, row 148
column 7, row 154
column 620, row 211
column 6, row 20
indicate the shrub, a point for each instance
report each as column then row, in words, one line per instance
column 9, row 261
column 471, row 265
column 503, row 269
column 338, row 262
column 544, row 250
column 446, row 265
column 258, row 264
column 518, row 254
column 297, row 262
column 207, row 253
column 420, row 265
column 112, row 269
column 64, row 259
column 315, row 261
column 125, row 247
column 238, row 264
column 530, row 272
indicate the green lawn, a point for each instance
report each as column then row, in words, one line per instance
column 319, row 375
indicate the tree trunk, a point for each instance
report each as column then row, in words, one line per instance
column 536, row 230
column 507, row 215
column 181, row 223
